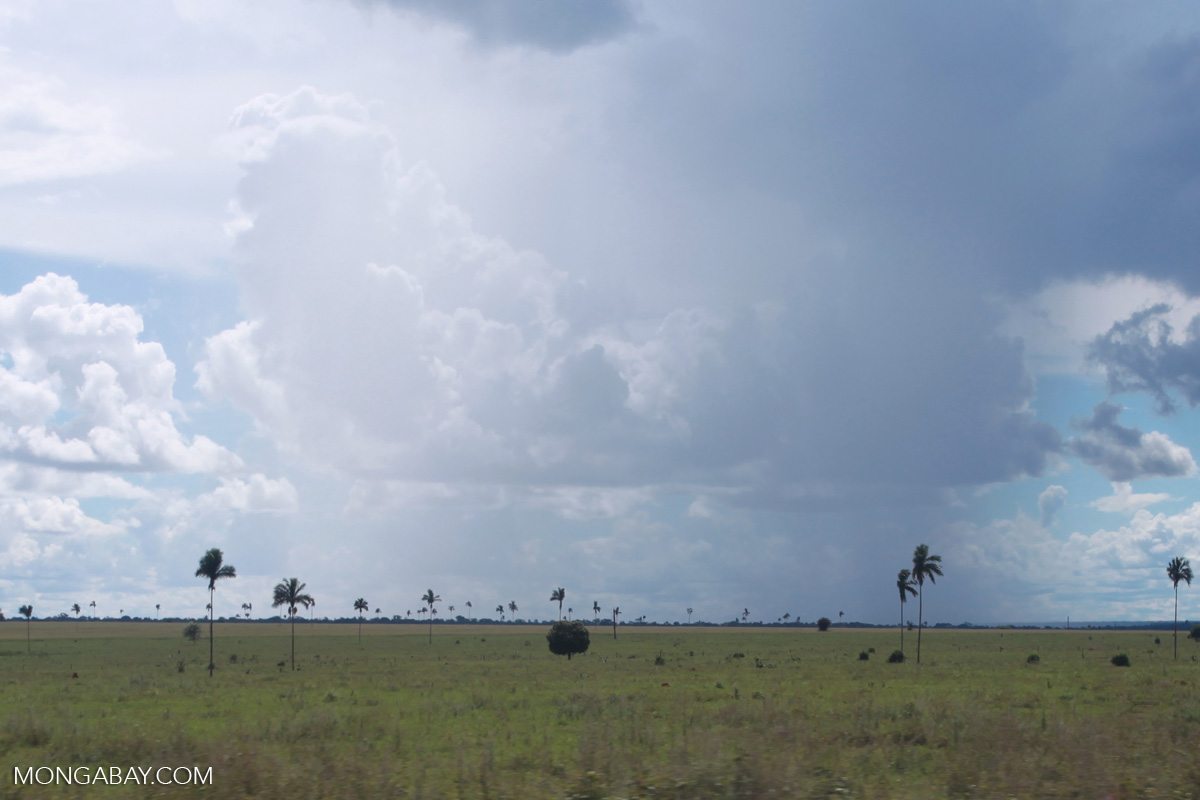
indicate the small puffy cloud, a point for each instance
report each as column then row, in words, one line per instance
column 1147, row 352
column 542, row 24
column 1122, row 454
column 1049, row 502
column 81, row 391
column 1124, row 501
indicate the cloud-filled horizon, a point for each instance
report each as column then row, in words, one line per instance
column 708, row 307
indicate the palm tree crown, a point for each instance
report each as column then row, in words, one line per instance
column 212, row 566
column 1178, row 569
column 360, row 605
column 289, row 592
column 558, row 594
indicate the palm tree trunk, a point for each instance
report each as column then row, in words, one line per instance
column 1177, row 622
column 920, row 619
column 210, row 632
column 293, row 642
column 901, row 626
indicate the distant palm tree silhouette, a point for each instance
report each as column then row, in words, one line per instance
column 904, row 583
column 360, row 606
column 689, row 616
column 76, row 609
column 289, row 593
column 616, row 613
column 596, row 610
column 1178, row 570
column 429, row 598
column 93, row 605
column 212, row 566
column 27, row 612
column 924, row 566
column 158, row 608
column 558, row 594
column 470, row 611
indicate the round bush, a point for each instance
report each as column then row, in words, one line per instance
column 823, row 624
column 897, row 657
column 1120, row 660
column 1034, row 658
column 568, row 637
column 864, row 656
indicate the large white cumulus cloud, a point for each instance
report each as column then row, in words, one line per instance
column 389, row 337
column 82, row 391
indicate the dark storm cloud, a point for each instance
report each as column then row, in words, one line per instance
column 544, row 24
column 1126, row 454
column 1139, row 355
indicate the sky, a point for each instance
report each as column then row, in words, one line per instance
column 670, row 304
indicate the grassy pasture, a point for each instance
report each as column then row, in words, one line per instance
column 488, row 712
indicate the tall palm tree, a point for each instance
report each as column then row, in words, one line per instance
column 27, row 612
column 470, row 613
column 289, row 592
column 93, row 605
column 76, row 609
column 157, row 609
column 1178, row 570
column 924, row 566
column 905, row 584
column 745, row 614
column 500, row 608
column 596, row 610
column 429, row 598
column 212, row 566
column 512, row 607
column 558, row 594
column 360, row 605
column 689, row 615
column 247, row 607
column 616, row 613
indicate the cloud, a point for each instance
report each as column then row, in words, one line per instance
column 386, row 336
column 1049, row 502
column 1147, row 353
column 84, row 393
column 542, row 24
column 1124, row 454
column 1124, row 501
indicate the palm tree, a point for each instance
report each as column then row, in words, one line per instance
column 924, row 566
column 905, row 584
column 429, row 598
column 93, row 605
column 1178, row 570
column 158, row 608
column 27, row 612
column 290, row 592
column 76, row 609
column 470, row 613
column 745, row 614
column 211, row 567
column 360, row 606
column 616, row 613
column 689, row 616
column 596, row 610
column 247, row 607
column 570, row 611
column 512, row 606
column 558, row 594
column 500, row 609
column 786, row 617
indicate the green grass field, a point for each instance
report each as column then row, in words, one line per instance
column 488, row 712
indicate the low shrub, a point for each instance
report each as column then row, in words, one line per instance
column 1120, row 660
column 897, row 657
column 823, row 623
column 864, row 656
column 1034, row 658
